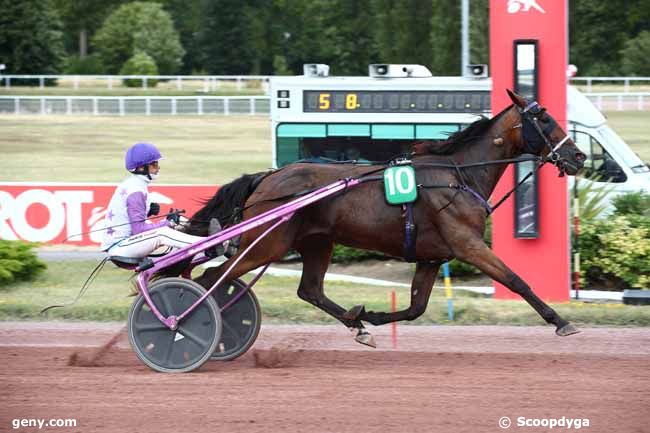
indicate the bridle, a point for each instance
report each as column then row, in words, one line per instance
column 535, row 137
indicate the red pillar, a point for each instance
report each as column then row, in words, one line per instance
column 542, row 262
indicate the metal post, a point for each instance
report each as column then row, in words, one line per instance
column 68, row 106
column 7, row 82
column 121, row 104
column 144, row 83
column 95, row 107
column 199, row 106
column 173, row 106
column 147, row 106
column 179, row 83
column 41, row 82
column 17, row 106
column 239, row 84
column 619, row 103
column 464, row 33
column 639, row 103
column 626, row 85
column 42, row 105
column 226, row 107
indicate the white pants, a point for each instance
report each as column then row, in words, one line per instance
column 143, row 244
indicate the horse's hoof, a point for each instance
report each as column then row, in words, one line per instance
column 366, row 338
column 566, row 330
column 354, row 312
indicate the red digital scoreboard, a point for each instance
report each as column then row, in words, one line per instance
column 542, row 261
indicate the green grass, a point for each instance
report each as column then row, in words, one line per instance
column 206, row 150
column 210, row 149
column 108, row 299
column 632, row 126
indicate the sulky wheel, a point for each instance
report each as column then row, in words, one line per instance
column 189, row 346
column 241, row 321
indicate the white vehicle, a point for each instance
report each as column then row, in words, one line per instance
column 319, row 117
column 610, row 161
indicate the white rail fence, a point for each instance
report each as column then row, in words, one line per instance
column 217, row 105
column 639, row 101
column 135, row 105
column 590, row 81
column 205, row 83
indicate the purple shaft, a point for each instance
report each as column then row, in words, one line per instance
column 237, row 260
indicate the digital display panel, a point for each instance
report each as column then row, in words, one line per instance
column 381, row 101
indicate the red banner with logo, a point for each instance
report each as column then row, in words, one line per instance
column 543, row 262
column 65, row 213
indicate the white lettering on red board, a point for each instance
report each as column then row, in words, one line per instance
column 64, row 209
column 515, row 6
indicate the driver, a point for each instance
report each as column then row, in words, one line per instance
column 128, row 232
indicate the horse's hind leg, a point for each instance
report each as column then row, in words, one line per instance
column 316, row 252
column 425, row 276
column 479, row 255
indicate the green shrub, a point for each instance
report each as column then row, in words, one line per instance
column 635, row 203
column 140, row 64
column 343, row 254
column 88, row 65
column 18, row 262
column 616, row 252
column 635, row 55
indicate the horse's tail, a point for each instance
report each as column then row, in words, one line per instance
column 226, row 204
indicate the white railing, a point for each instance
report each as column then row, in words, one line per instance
column 205, row 83
column 605, row 101
column 624, row 80
column 135, row 105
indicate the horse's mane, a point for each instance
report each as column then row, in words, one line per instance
column 226, row 203
column 458, row 140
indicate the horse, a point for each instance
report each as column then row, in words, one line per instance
column 451, row 221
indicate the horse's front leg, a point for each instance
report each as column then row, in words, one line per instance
column 425, row 276
column 477, row 253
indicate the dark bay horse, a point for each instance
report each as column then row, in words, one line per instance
column 450, row 221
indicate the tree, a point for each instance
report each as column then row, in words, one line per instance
column 139, row 26
column 225, row 38
column 635, row 55
column 596, row 36
column 31, row 40
column 81, row 19
column 187, row 16
column 479, row 32
column 445, row 38
column 402, row 31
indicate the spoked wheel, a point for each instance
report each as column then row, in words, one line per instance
column 241, row 321
column 189, row 346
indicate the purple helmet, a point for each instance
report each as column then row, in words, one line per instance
column 141, row 154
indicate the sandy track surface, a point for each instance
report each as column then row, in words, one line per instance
column 316, row 379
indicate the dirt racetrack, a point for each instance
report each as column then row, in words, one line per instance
column 316, row 379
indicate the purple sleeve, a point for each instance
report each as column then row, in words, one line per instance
column 136, row 208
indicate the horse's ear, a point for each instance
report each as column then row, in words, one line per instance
column 516, row 99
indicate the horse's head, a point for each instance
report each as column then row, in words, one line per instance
column 541, row 135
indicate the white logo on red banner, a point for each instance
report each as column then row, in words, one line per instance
column 74, row 213
column 515, row 6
